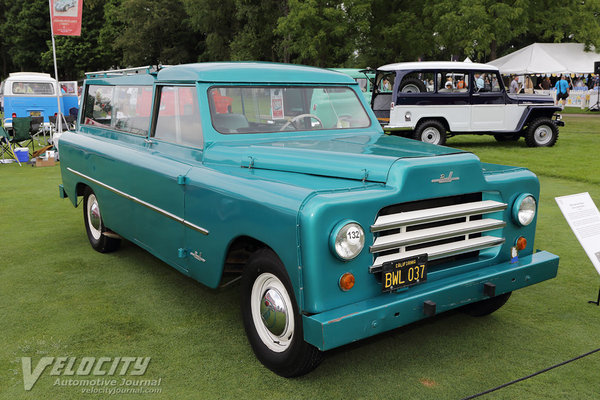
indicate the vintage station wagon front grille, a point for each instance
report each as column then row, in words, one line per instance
column 445, row 229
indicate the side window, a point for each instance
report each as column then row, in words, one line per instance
column 452, row 82
column 124, row 108
column 362, row 83
column 385, row 82
column 486, row 81
column 178, row 119
column 132, row 109
column 97, row 109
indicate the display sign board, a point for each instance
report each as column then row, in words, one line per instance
column 66, row 17
column 277, row 111
column 584, row 219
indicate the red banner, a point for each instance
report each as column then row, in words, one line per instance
column 66, row 17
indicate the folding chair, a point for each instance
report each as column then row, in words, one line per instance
column 5, row 147
column 22, row 132
column 5, row 143
column 37, row 128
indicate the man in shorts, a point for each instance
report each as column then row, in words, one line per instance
column 562, row 90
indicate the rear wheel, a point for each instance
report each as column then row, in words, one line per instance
column 541, row 133
column 94, row 225
column 271, row 317
column 431, row 131
column 487, row 306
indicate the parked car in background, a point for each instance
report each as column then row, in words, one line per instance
column 280, row 175
column 363, row 77
column 435, row 100
column 33, row 94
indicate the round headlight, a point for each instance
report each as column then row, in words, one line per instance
column 524, row 209
column 347, row 240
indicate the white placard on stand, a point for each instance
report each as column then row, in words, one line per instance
column 584, row 219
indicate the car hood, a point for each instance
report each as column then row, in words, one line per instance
column 532, row 98
column 359, row 157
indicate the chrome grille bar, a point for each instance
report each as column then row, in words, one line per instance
column 439, row 232
column 441, row 251
column 388, row 242
column 410, row 218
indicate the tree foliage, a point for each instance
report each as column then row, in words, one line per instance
column 325, row 33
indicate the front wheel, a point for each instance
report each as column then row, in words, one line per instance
column 431, row 131
column 272, row 320
column 94, row 225
column 543, row 132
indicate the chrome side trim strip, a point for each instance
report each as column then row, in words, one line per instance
column 142, row 202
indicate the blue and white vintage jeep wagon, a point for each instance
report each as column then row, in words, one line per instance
column 283, row 175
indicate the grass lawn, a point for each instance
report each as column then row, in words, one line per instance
column 58, row 297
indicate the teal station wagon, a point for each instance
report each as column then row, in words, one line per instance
column 282, row 175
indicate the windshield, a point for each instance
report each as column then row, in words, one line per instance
column 275, row 109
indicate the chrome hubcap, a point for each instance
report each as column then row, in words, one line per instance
column 273, row 312
column 431, row 135
column 410, row 89
column 94, row 218
column 543, row 134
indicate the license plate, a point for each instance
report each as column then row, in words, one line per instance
column 405, row 272
column 35, row 113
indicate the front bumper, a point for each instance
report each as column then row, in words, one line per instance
column 388, row 311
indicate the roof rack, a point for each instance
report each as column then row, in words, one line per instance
column 148, row 69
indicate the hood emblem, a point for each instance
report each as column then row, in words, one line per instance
column 444, row 179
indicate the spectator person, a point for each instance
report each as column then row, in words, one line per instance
column 478, row 82
column 514, row 85
column 385, row 86
column 562, row 91
column 545, row 84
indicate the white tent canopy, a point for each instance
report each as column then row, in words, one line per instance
column 548, row 58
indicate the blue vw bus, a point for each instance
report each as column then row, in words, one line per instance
column 337, row 231
column 33, row 94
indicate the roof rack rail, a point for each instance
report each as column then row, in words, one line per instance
column 148, row 69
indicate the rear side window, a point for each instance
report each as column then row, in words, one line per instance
column 486, row 81
column 452, row 82
column 178, row 119
column 37, row 88
column 124, row 108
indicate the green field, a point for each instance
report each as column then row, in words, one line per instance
column 58, row 297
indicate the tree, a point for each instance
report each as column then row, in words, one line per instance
column 25, row 29
column 216, row 24
column 476, row 28
column 565, row 21
column 391, row 31
column 154, row 32
column 316, row 33
column 257, row 39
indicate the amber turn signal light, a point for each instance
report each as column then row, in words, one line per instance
column 521, row 243
column 347, row 281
